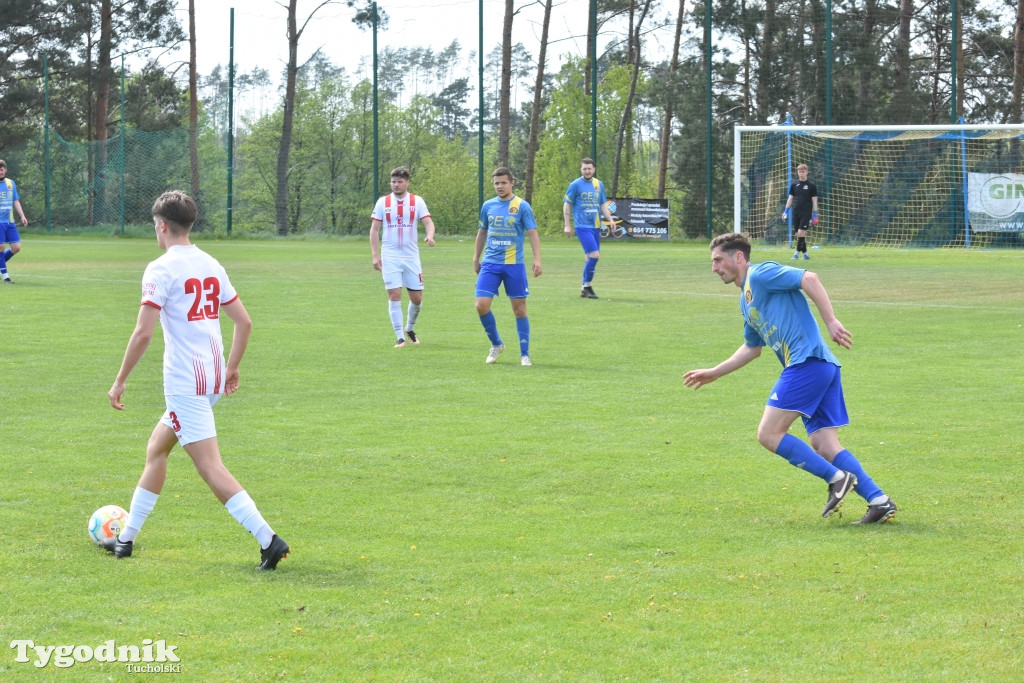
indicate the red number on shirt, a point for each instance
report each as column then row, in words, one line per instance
column 210, row 287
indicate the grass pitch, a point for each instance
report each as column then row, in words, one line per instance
column 587, row 518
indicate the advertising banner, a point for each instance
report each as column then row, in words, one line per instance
column 638, row 219
column 995, row 202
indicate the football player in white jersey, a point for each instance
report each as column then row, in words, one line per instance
column 396, row 252
column 187, row 290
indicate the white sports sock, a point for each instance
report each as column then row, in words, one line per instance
column 243, row 509
column 880, row 500
column 143, row 502
column 395, row 311
column 414, row 314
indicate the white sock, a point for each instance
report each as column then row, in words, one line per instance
column 143, row 502
column 395, row 311
column 414, row 314
column 880, row 500
column 243, row 509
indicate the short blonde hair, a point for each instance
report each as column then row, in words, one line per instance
column 802, row 167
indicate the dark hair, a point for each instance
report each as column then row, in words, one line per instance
column 177, row 208
column 501, row 170
column 3, row 163
column 588, row 160
column 400, row 172
column 731, row 242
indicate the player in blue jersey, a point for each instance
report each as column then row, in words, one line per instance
column 506, row 221
column 8, row 230
column 776, row 314
column 584, row 202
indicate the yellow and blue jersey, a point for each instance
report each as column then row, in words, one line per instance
column 8, row 195
column 586, row 198
column 506, row 223
column 776, row 314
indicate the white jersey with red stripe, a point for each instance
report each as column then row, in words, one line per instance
column 188, row 287
column 398, row 217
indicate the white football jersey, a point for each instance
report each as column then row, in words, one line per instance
column 188, row 287
column 399, row 230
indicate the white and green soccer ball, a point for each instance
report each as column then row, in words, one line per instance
column 105, row 524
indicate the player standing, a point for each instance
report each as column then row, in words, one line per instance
column 505, row 222
column 803, row 200
column 776, row 314
column 187, row 290
column 397, row 253
column 584, row 202
column 8, row 229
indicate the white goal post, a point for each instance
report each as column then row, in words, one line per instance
column 898, row 186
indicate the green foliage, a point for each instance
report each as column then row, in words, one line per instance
column 584, row 519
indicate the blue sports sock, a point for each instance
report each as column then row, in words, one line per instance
column 8, row 255
column 523, row 330
column 491, row 328
column 3, row 262
column 588, row 271
column 800, row 454
column 866, row 487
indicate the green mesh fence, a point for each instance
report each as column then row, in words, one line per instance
column 104, row 185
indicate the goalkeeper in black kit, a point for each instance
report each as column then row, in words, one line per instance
column 803, row 202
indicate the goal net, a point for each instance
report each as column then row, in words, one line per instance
column 893, row 186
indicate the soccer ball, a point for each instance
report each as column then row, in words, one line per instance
column 105, row 524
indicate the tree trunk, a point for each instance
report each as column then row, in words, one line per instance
column 901, row 107
column 538, row 91
column 591, row 46
column 193, row 114
column 284, row 147
column 666, row 125
column 765, row 70
column 104, row 73
column 1018, row 66
column 505, row 94
column 628, row 110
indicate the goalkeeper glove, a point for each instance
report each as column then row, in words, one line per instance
column 814, row 218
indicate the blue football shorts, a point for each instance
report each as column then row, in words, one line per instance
column 590, row 239
column 814, row 389
column 512, row 275
column 191, row 417
column 9, row 233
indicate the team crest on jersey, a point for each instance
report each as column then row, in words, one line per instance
column 748, row 295
column 513, row 209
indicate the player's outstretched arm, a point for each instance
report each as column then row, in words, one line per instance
column 743, row 355
column 137, row 345
column 375, row 243
column 239, row 341
column 428, row 223
column 535, row 246
column 815, row 291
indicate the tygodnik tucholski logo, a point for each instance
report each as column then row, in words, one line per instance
column 152, row 656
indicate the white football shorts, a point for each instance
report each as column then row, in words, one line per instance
column 191, row 417
column 400, row 273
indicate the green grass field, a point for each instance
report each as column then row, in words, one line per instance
column 588, row 518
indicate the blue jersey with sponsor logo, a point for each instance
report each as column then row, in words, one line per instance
column 8, row 195
column 506, row 223
column 586, row 198
column 776, row 314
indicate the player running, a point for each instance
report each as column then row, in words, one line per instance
column 187, row 290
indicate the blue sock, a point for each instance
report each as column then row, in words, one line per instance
column 799, row 454
column 866, row 487
column 491, row 328
column 523, row 329
column 3, row 262
column 588, row 271
column 8, row 255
